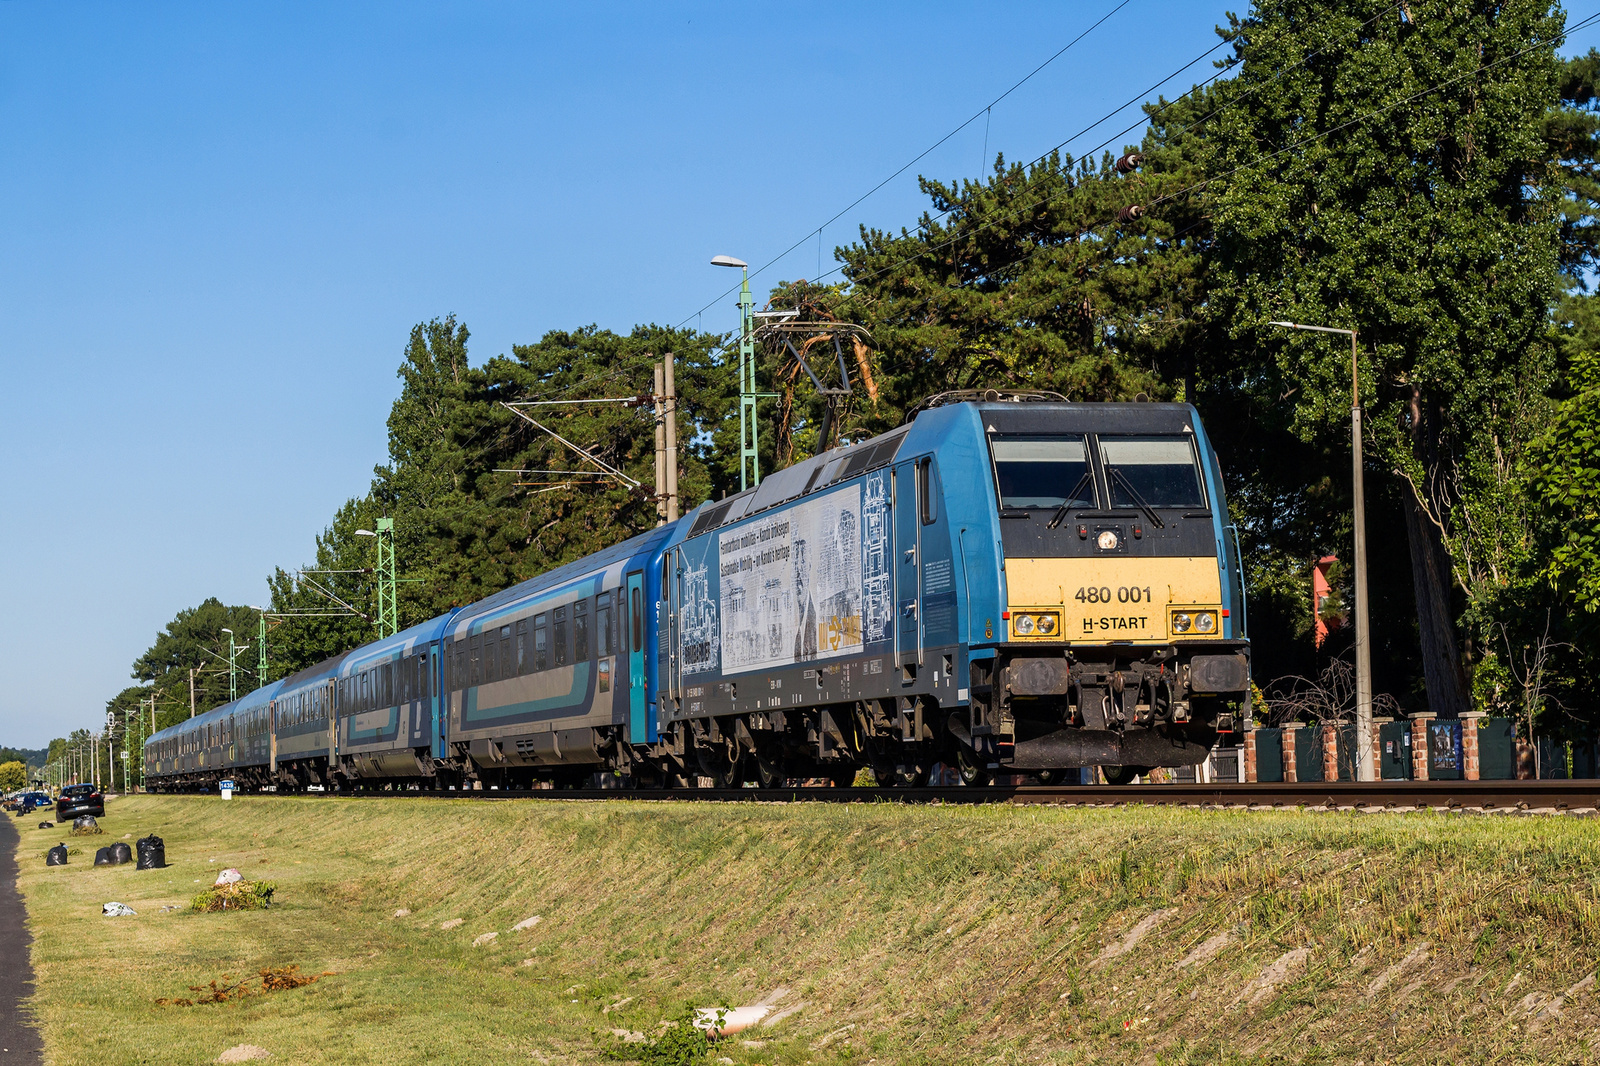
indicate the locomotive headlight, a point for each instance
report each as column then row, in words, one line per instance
column 1047, row 624
column 1205, row 622
column 1023, row 624
column 1182, row 623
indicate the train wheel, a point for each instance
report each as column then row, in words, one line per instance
column 1123, row 775
column 769, row 774
column 969, row 765
column 1053, row 777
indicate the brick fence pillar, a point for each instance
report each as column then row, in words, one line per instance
column 1419, row 745
column 1291, row 772
column 1470, row 766
column 1250, row 754
column 1330, row 751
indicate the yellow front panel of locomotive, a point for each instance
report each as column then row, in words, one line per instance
column 1112, row 598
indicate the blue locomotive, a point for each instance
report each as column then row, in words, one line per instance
column 1011, row 584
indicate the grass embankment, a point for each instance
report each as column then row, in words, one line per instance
column 912, row 934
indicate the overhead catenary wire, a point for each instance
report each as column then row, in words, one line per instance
column 981, row 112
column 1257, row 161
column 1567, row 31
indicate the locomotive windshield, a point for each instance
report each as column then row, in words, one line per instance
column 1151, row 472
column 1042, row 472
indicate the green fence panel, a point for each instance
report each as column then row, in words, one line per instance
column 1269, row 755
column 1552, row 759
column 1394, row 751
column 1585, row 757
column 1497, row 754
column 1308, row 753
column 1345, row 751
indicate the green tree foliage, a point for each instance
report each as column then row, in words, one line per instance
column 13, row 775
column 1398, row 183
column 1569, row 486
column 194, row 648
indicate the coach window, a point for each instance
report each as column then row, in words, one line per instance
column 928, row 490
column 458, row 677
column 522, row 646
column 475, row 657
column 541, row 643
column 580, row 631
column 558, row 635
column 638, row 620
column 602, row 624
column 491, row 660
column 507, row 665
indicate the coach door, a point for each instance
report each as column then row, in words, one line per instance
column 907, row 570
column 634, row 630
column 432, row 680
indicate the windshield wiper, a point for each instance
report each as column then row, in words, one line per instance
column 1149, row 512
column 1070, row 501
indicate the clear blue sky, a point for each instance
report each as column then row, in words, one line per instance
column 220, row 222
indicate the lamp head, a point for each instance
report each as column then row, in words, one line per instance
column 365, row 533
column 728, row 261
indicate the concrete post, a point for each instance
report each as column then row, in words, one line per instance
column 1419, row 745
column 1291, row 772
column 1471, row 767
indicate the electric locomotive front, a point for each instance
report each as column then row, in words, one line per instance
column 1121, row 638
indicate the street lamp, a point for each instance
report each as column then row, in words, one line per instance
column 1363, row 639
column 747, row 377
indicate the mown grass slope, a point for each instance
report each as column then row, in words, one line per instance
column 911, row 934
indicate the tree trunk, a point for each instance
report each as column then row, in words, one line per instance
column 1430, row 575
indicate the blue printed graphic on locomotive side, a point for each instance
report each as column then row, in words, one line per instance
column 803, row 583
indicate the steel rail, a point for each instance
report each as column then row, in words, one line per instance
column 1339, row 795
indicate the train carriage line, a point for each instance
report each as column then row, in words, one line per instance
column 1010, row 585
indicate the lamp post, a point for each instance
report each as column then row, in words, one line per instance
column 1363, row 637
column 749, row 460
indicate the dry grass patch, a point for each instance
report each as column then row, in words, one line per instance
column 911, row 934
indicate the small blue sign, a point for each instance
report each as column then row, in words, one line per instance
column 227, row 785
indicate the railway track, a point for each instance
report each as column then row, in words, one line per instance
column 1472, row 796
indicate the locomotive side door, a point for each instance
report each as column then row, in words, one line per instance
column 633, row 630
column 904, row 505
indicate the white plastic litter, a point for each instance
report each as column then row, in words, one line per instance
column 229, row 876
column 526, row 923
column 734, row 1019
column 117, row 910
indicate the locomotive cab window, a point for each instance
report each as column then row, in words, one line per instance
column 1152, row 472
column 1043, row 472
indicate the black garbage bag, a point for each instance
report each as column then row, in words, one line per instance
column 103, row 858
column 47, row 825
column 56, row 856
column 85, row 824
column 152, row 853
column 121, row 853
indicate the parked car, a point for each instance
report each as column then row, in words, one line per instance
column 80, row 799
column 28, row 801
